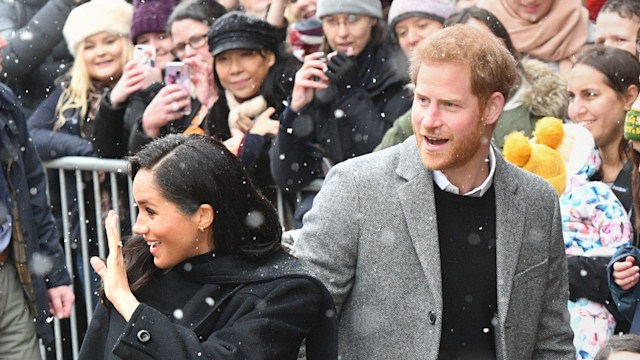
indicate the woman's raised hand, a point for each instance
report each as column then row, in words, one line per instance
column 132, row 80
column 310, row 77
column 168, row 105
column 114, row 273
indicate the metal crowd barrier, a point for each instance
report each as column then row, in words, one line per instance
column 80, row 165
column 112, row 168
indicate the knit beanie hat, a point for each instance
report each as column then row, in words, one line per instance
column 237, row 30
column 632, row 122
column 96, row 16
column 150, row 16
column 438, row 10
column 371, row 8
column 539, row 155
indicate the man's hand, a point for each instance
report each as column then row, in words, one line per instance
column 61, row 300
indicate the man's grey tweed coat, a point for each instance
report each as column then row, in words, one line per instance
column 372, row 238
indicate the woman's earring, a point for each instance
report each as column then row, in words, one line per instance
column 201, row 229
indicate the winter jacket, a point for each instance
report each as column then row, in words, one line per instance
column 594, row 224
column 542, row 92
column 117, row 130
column 339, row 128
column 72, row 139
column 399, row 132
column 625, row 300
column 37, row 53
column 220, row 308
column 35, row 232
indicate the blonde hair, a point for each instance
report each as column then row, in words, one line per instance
column 76, row 92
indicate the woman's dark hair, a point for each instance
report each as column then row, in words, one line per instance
column 620, row 70
column 205, row 11
column 627, row 342
column 191, row 170
column 487, row 18
column 278, row 83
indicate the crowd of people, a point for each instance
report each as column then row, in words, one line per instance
column 424, row 120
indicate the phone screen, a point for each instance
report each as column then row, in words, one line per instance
column 145, row 55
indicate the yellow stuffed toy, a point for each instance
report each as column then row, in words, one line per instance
column 539, row 155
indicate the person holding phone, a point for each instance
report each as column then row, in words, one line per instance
column 344, row 98
column 161, row 110
column 140, row 82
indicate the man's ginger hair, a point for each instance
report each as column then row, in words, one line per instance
column 492, row 67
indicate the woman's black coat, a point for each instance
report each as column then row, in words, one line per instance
column 221, row 308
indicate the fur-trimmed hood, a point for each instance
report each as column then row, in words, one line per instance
column 545, row 92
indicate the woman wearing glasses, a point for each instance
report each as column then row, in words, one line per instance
column 344, row 99
column 137, row 112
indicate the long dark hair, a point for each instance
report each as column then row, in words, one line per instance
column 191, row 170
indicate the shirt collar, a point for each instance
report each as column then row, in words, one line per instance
column 445, row 185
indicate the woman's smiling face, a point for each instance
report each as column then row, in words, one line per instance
column 172, row 235
column 595, row 105
column 102, row 55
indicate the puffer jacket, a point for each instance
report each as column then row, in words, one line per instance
column 594, row 224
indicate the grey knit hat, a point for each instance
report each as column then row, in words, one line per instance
column 438, row 10
column 371, row 8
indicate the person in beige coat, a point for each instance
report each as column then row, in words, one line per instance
column 437, row 248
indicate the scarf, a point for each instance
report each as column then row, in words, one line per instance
column 556, row 36
column 249, row 108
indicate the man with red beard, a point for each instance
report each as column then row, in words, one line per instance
column 438, row 248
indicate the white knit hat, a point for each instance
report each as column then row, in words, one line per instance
column 96, row 16
column 371, row 8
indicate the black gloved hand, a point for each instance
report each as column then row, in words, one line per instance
column 343, row 72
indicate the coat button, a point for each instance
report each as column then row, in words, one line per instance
column 144, row 336
column 432, row 318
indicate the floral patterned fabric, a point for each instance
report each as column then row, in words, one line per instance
column 594, row 223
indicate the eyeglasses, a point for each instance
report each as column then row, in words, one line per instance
column 334, row 21
column 195, row 42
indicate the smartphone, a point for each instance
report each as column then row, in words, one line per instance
column 145, row 55
column 176, row 72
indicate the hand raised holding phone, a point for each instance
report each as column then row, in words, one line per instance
column 309, row 78
column 178, row 73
